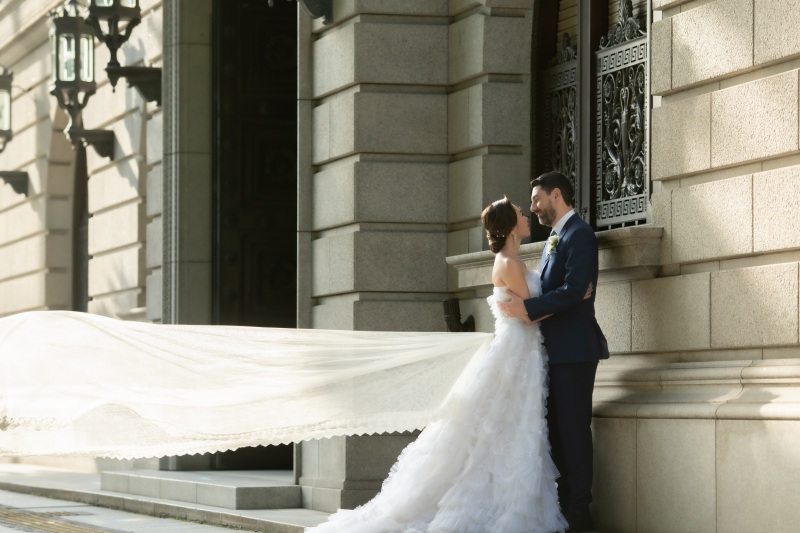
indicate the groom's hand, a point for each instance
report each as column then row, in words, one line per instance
column 514, row 307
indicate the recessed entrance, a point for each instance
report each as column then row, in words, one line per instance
column 255, row 191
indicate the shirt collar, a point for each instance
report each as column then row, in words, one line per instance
column 562, row 221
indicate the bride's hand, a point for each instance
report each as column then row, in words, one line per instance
column 513, row 307
column 589, row 291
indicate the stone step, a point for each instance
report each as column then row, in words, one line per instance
column 261, row 489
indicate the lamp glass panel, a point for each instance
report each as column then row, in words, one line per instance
column 128, row 3
column 104, row 3
column 66, row 57
column 87, row 58
column 53, row 59
column 5, row 110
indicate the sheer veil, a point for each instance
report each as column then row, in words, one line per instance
column 80, row 384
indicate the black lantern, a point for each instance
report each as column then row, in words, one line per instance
column 6, row 78
column 72, row 77
column 17, row 179
column 146, row 79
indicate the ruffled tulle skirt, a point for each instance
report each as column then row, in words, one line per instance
column 484, row 465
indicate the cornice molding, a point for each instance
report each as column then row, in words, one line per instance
column 23, row 27
column 729, row 390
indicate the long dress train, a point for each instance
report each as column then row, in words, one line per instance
column 484, row 465
column 82, row 384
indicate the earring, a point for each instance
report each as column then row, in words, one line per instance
column 514, row 235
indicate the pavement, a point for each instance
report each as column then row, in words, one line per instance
column 41, row 499
column 44, row 499
column 23, row 512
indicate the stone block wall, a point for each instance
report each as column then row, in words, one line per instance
column 726, row 164
column 35, row 230
column 121, row 215
column 36, row 234
column 694, row 410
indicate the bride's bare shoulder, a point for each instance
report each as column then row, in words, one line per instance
column 507, row 268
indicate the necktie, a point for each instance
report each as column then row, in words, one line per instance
column 546, row 254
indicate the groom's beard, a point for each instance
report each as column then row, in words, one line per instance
column 547, row 217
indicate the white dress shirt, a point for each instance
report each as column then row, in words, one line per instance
column 562, row 221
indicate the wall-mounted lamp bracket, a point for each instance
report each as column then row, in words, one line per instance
column 17, row 179
column 316, row 9
column 113, row 39
column 319, row 8
column 146, row 79
column 452, row 317
column 101, row 140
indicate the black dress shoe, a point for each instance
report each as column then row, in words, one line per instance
column 579, row 522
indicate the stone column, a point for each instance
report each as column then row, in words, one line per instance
column 186, row 175
column 372, row 166
column 186, row 217
column 417, row 115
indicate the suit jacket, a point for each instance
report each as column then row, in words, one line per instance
column 572, row 334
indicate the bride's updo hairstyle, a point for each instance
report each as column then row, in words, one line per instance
column 499, row 219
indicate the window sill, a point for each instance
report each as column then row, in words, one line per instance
column 624, row 253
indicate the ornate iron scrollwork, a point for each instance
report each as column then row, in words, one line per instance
column 627, row 29
column 568, row 52
column 623, row 139
column 563, row 142
column 622, row 102
column 452, row 317
column 560, row 134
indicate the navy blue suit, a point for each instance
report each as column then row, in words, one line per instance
column 574, row 343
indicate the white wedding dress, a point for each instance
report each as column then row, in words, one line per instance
column 484, row 465
column 81, row 384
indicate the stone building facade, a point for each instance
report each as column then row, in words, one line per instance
column 411, row 116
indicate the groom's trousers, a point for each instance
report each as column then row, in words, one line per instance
column 569, row 418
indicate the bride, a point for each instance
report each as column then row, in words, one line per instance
column 484, row 465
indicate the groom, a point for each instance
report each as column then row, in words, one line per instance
column 572, row 337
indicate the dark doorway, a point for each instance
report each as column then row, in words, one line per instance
column 255, row 187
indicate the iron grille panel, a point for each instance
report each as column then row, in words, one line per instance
column 623, row 185
column 561, row 140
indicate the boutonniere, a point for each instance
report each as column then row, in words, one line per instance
column 552, row 242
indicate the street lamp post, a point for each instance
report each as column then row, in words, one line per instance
column 72, row 79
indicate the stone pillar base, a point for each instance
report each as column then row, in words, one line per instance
column 345, row 472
